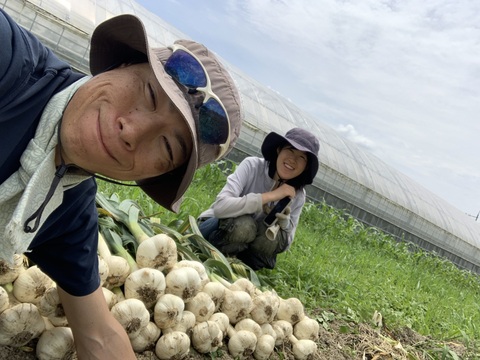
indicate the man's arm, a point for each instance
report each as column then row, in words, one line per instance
column 97, row 334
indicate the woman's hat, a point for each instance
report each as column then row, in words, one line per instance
column 122, row 40
column 298, row 138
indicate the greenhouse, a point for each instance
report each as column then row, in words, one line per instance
column 349, row 178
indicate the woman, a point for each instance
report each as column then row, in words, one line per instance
column 235, row 223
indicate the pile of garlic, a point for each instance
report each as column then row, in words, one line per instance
column 168, row 305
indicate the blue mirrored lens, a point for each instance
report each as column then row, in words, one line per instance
column 213, row 123
column 184, row 68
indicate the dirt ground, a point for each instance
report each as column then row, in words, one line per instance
column 341, row 341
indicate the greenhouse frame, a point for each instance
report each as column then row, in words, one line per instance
column 349, row 178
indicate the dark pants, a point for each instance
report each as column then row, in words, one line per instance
column 244, row 238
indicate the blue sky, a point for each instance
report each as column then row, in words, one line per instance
column 399, row 78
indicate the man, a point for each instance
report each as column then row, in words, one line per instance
column 147, row 115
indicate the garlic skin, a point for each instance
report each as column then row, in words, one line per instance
column 183, row 282
column 236, row 305
column 249, row 325
column 267, row 329
column 307, row 329
column 4, row 300
column 55, row 344
column 283, row 329
column 264, row 348
column 31, row 284
column 302, row 349
column 202, row 306
column 216, row 291
column 147, row 337
column 158, row 252
column 132, row 315
column 102, row 270
column 9, row 272
column 174, row 345
column 51, row 307
column 241, row 344
column 168, row 311
column 118, row 270
column 265, row 307
column 145, row 284
column 186, row 324
column 20, row 324
column 206, row 337
column 110, row 297
column 290, row 310
column 222, row 321
column 198, row 266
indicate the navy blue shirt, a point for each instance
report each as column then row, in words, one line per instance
column 30, row 74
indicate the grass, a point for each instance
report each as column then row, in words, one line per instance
column 338, row 264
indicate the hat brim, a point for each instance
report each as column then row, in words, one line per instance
column 120, row 40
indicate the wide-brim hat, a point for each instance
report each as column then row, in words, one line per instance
column 122, row 40
column 298, row 138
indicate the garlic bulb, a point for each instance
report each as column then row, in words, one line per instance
column 202, row 306
column 306, row 329
column 4, row 300
column 9, row 272
column 265, row 307
column 186, row 324
column 174, row 345
column 241, row 344
column 250, row 325
column 145, row 284
column 247, row 286
column 283, row 329
column 206, row 337
column 216, row 291
column 110, row 297
column 302, row 349
column 168, row 311
column 290, row 310
column 31, row 284
column 147, row 337
column 20, row 324
column 236, row 305
column 102, row 270
column 198, row 266
column 132, row 315
column 118, row 270
column 51, row 307
column 55, row 344
column 183, row 282
column 158, row 252
column 267, row 329
column 222, row 321
column 264, row 348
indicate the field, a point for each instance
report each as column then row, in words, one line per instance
column 374, row 298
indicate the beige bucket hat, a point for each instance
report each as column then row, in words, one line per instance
column 123, row 39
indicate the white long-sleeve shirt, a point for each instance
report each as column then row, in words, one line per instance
column 242, row 194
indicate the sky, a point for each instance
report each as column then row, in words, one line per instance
column 401, row 78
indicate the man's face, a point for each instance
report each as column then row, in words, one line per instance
column 121, row 124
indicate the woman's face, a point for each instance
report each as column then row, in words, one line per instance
column 121, row 124
column 290, row 163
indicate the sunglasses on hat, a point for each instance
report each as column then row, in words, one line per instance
column 214, row 126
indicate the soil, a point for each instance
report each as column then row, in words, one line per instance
column 338, row 340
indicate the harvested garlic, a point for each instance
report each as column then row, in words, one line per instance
column 264, row 348
column 306, row 329
column 158, row 252
column 31, row 284
column 146, row 338
column 186, row 324
column 302, row 349
column 198, row 266
column 9, row 272
column 265, row 307
column 236, row 305
column 20, row 324
column 250, row 325
column 132, row 315
column 290, row 310
column 168, row 311
column 242, row 343
column 216, row 291
column 174, row 345
column 206, row 337
column 202, row 306
column 51, row 307
column 145, row 284
column 183, row 282
column 55, row 344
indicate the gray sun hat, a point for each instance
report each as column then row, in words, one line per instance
column 123, row 39
column 300, row 139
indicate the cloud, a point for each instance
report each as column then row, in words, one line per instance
column 349, row 132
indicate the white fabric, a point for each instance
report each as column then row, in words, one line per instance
column 26, row 189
